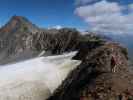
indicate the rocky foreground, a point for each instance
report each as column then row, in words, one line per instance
column 96, row 79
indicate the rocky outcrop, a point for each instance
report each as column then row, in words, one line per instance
column 96, row 78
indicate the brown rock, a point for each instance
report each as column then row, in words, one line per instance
column 94, row 78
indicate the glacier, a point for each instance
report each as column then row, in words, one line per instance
column 35, row 79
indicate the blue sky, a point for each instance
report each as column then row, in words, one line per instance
column 45, row 13
column 48, row 13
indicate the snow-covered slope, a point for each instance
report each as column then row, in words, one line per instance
column 35, row 79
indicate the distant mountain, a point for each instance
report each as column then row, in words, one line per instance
column 19, row 24
column 15, row 36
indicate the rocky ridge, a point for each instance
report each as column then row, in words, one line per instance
column 94, row 79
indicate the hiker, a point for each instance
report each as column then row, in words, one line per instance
column 113, row 64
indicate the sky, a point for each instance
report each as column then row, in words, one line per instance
column 45, row 13
column 109, row 16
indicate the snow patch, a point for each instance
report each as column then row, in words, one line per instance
column 35, row 79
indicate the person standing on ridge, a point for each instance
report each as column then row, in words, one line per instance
column 113, row 63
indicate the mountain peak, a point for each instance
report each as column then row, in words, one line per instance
column 18, row 24
column 18, row 18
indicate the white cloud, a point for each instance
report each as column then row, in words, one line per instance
column 82, row 2
column 56, row 27
column 107, row 17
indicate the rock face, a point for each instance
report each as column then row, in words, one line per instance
column 97, row 79
column 65, row 40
